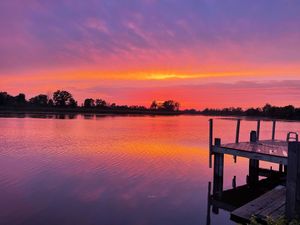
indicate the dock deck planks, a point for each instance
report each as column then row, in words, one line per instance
column 271, row 204
column 268, row 150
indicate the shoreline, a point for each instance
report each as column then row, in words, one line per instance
column 118, row 112
column 26, row 110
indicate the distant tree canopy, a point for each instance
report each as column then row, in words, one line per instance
column 100, row 103
column 154, row 105
column 63, row 98
column 8, row 100
column 20, row 99
column 89, row 102
column 40, row 100
column 171, row 105
column 168, row 105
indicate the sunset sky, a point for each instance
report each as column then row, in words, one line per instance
column 202, row 53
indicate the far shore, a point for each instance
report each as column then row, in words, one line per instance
column 119, row 112
column 81, row 110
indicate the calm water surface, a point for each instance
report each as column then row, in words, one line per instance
column 113, row 170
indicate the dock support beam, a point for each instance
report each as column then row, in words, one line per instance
column 293, row 181
column 253, row 164
column 218, row 171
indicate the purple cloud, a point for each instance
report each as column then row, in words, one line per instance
column 65, row 34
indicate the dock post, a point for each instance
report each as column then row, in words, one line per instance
column 273, row 130
column 208, row 204
column 253, row 172
column 280, row 168
column 237, row 135
column 218, row 171
column 258, row 130
column 293, row 181
column 211, row 129
column 253, row 164
column 234, row 182
column 253, row 136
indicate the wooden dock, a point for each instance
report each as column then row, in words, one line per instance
column 286, row 153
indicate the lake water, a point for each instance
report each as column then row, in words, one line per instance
column 111, row 170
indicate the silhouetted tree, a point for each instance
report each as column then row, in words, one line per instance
column 267, row 108
column 20, row 99
column 154, row 105
column 39, row 100
column 8, row 100
column 5, row 98
column 253, row 112
column 89, row 102
column 137, row 107
column 171, row 105
column 100, row 103
column 50, row 102
column 63, row 98
column 72, row 103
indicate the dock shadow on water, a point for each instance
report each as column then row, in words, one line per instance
column 112, row 170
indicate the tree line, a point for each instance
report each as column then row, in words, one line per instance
column 283, row 112
column 64, row 99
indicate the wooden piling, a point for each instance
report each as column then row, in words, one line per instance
column 211, row 127
column 237, row 135
column 253, row 163
column 208, row 204
column 218, row 171
column 234, row 182
column 293, row 181
column 280, row 168
column 253, row 136
column 253, row 172
column 273, row 130
column 258, row 130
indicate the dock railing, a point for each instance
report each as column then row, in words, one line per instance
column 237, row 135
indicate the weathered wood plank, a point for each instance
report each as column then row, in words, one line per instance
column 278, row 213
column 268, row 147
column 270, row 204
column 267, row 150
